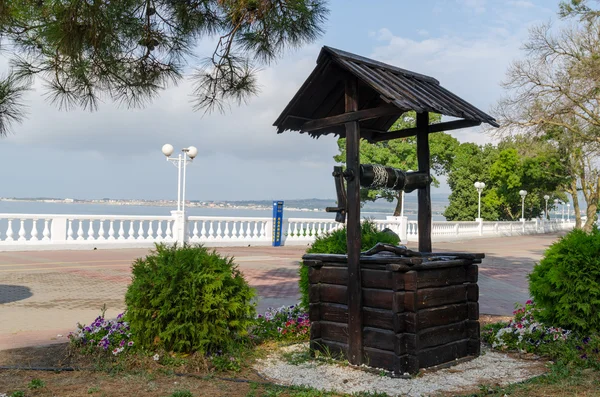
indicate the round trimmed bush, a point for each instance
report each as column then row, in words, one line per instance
column 335, row 243
column 187, row 299
column 565, row 284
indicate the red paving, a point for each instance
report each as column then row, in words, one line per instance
column 45, row 293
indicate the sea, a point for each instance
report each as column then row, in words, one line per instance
column 39, row 207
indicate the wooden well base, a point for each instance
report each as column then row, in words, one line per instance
column 414, row 316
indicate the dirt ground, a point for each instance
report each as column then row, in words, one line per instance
column 150, row 379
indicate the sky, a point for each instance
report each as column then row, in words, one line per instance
column 116, row 152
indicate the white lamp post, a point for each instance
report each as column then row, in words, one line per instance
column 556, row 201
column 562, row 207
column 180, row 162
column 568, row 212
column 479, row 186
column 523, row 193
column 402, row 206
column 546, row 197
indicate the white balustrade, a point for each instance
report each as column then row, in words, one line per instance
column 88, row 231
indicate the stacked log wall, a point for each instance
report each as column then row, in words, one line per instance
column 413, row 316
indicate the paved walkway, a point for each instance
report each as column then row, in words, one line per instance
column 44, row 294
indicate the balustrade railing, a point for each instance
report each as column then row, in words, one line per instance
column 49, row 231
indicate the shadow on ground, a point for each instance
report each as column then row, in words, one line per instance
column 14, row 293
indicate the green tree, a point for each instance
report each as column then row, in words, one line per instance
column 513, row 165
column 553, row 94
column 130, row 50
column 402, row 154
column 472, row 164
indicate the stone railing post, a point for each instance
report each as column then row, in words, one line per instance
column 285, row 226
column 480, row 227
column 180, row 232
column 403, row 229
column 58, row 229
column 399, row 225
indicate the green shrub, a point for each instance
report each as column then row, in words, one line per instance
column 566, row 283
column 187, row 299
column 335, row 243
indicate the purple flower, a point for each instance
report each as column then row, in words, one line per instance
column 578, row 347
column 584, row 356
column 122, row 343
column 596, row 351
column 586, row 340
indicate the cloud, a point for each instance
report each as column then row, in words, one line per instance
column 471, row 68
column 477, row 6
column 521, row 4
column 244, row 131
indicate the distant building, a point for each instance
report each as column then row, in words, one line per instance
column 68, row 200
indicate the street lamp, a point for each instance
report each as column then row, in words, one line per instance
column 180, row 162
column 402, row 206
column 568, row 212
column 523, row 193
column 562, row 207
column 546, row 197
column 479, row 186
column 556, row 201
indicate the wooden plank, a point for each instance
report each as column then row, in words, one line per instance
column 436, row 316
column 328, row 293
column 377, row 358
column 374, row 262
column 335, row 332
column 315, row 330
column 333, row 312
column 378, row 298
column 379, row 136
column 335, row 349
column 355, row 348
column 423, row 159
column 441, row 277
column 472, row 292
column 472, row 273
column 443, row 354
column 473, row 308
column 331, row 275
column 379, row 338
column 378, row 318
column 353, row 116
column 432, row 297
column 381, row 279
column 473, row 329
column 442, row 335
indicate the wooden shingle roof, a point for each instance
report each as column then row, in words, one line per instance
column 379, row 84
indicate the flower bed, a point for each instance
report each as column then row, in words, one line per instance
column 104, row 335
column 526, row 334
column 284, row 323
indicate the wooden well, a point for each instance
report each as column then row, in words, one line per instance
column 396, row 312
column 414, row 315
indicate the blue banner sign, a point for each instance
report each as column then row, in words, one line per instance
column 277, row 222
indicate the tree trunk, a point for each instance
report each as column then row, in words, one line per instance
column 398, row 204
column 573, row 192
column 591, row 216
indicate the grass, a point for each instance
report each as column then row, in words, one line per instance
column 561, row 380
column 140, row 375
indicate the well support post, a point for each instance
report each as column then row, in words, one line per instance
column 355, row 340
column 423, row 158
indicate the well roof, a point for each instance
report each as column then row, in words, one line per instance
column 322, row 95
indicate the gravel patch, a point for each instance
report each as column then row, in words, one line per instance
column 491, row 368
